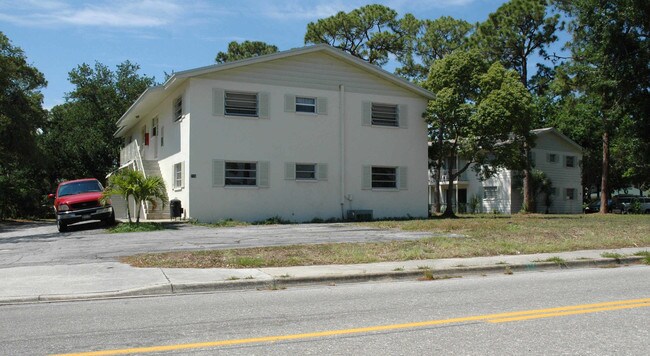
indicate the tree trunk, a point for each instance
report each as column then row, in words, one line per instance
column 528, row 196
column 436, row 191
column 449, row 210
column 137, row 212
column 605, row 173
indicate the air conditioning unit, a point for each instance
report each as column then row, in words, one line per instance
column 359, row 215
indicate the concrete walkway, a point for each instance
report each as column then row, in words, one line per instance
column 113, row 279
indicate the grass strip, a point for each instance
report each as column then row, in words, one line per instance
column 484, row 235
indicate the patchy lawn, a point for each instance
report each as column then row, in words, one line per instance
column 481, row 235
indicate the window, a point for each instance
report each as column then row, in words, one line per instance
column 305, row 171
column 241, row 173
column 490, row 193
column 162, row 136
column 178, row 175
column 241, row 104
column 569, row 161
column 178, row 108
column 552, row 157
column 384, row 115
column 570, row 194
column 384, row 177
column 305, row 105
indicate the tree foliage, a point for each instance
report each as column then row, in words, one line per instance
column 472, row 117
column 610, row 67
column 434, row 40
column 21, row 115
column 78, row 137
column 243, row 50
column 518, row 30
column 371, row 32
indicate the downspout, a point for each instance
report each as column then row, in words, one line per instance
column 342, row 148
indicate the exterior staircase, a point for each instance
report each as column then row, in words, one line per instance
column 152, row 169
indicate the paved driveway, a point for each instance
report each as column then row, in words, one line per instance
column 39, row 243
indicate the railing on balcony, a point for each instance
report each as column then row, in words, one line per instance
column 130, row 154
column 444, row 176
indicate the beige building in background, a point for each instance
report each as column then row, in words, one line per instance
column 554, row 154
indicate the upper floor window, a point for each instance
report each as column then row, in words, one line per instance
column 178, row 108
column 552, row 157
column 570, row 161
column 384, row 115
column 241, row 104
column 307, row 105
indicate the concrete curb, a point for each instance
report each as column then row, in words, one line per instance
column 281, row 282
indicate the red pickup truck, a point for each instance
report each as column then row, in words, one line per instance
column 80, row 200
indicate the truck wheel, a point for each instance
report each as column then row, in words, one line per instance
column 111, row 220
column 61, row 226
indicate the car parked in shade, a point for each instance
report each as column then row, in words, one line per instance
column 81, row 200
column 594, row 206
column 633, row 205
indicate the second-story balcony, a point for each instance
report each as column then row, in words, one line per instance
column 445, row 175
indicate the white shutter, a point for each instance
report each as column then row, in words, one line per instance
column 289, row 103
column 218, row 173
column 321, row 106
column 322, row 171
column 217, row 102
column 174, row 176
column 403, row 178
column 263, row 105
column 367, row 177
column 290, row 171
column 402, row 116
column 182, row 174
column 263, row 174
column 367, row 113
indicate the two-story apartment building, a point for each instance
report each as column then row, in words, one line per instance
column 301, row 134
column 554, row 154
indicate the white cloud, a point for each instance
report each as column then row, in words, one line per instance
column 116, row 14
column 318, row 9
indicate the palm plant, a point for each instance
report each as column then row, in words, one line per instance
column 148, row 190
column 122, row 184
column 130, row 183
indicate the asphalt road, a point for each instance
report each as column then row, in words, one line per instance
column 336, row 312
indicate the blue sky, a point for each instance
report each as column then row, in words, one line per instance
column 172, row 35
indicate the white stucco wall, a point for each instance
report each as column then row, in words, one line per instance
column 307, row 138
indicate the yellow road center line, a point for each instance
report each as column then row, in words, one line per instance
column 492, row 318
column 573, row 312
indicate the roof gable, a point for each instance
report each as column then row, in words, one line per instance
column 551, row 139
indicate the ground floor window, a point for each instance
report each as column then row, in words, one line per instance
column 384, row 177
column 489, row 193
column 305, row 171
column 570, row 194
column 241, row 173
column 178, row 175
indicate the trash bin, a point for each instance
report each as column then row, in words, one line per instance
column 175, row 208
